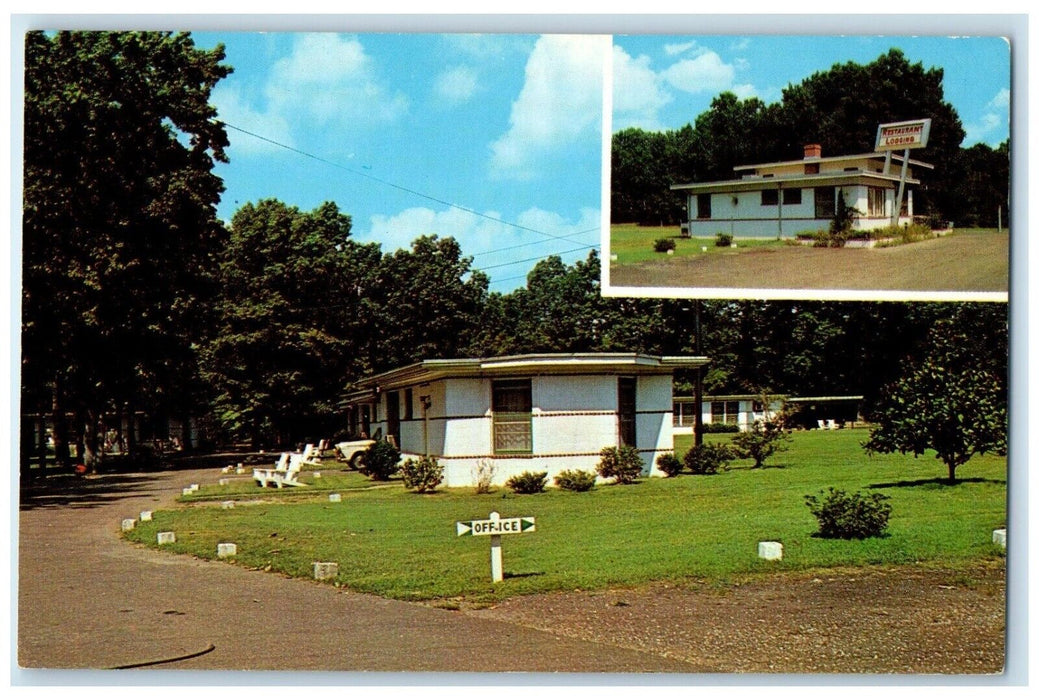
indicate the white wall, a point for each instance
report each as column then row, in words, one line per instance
column 573, row 418
column 750, row 219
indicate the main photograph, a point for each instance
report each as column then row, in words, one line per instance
column 315, row 348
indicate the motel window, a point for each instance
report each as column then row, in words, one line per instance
column 825, row 202
column 511, row 408
column 876, row 201
column 792, row 196
column 703, row 206
column 725, row 412
column 626, row 411
column 769, row 198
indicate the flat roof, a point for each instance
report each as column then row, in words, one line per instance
column 753, row 184
column 536, row 363
column 830, row 159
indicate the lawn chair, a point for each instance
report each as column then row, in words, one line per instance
column 311, row 455
column 284, row 473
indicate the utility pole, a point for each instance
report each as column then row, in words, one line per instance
column 698, row 391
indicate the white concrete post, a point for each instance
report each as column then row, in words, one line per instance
column 146, row 515
column 496, row 568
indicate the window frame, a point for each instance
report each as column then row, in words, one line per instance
column 508, row 424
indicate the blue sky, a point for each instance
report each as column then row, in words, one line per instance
column 664, row 82
column 395, row 128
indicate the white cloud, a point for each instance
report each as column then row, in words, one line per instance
column 988, row 127
column 508, row 251
column 1001, row 100
column 675, row 49
column 328, row 79
column 234, row 109
column 705, row 73
column 455, row 84
column 638, row 94
column 560, row 103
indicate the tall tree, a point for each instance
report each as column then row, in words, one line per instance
column 293, row 321
column 119, row 220
column 428, row 302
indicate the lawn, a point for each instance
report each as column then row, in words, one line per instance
column 634, row 244
column 403, row 545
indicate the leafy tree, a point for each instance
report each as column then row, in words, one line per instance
column 427, row 303
column 291, row 315
column 762, row 440
column 953, row 399
column 119, row 223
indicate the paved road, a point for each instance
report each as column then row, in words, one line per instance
column 89, row 600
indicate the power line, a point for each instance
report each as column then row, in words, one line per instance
column 394, row 185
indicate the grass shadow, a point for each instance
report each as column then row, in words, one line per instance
column 937, row 481
column 526, row 575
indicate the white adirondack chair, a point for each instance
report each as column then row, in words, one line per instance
column 284, row 473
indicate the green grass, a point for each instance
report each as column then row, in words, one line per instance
column 634, row 244
column 403, row 545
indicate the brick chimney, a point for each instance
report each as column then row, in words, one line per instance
column 813, row 150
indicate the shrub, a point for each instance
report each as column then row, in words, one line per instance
column 669, row 464
column 528, row 482
column 622, row 464
column 662, row 245
column 575, row 480
column 483, row 475
column 847, row 517
column 708, row 458
column 723, row 240
column 763, row 440
column 721, row 428
column 422, row 474
column 379, row 461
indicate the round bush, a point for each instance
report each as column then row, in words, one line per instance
column 622, row 464
column 853, row 517
column 422, row 474
column 708, row 458
column 669, row 464
column 528, row 482
column 723, row 240
column 575, row 480
column 662, row 245
column 379, row 461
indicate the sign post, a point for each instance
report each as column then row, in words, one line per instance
column 495, row 527
column 901, row 136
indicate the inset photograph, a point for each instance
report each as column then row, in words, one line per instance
column 810, row 167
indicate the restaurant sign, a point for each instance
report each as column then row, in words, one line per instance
column 899, row 135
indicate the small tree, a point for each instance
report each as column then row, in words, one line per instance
column 764, row 439
column 947, row 403
column 622, row 464
column 843, row 218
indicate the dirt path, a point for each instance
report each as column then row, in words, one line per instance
column 89, row 600
column 966, row 262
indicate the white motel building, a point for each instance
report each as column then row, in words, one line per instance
column 537, row 412
column 779, row 200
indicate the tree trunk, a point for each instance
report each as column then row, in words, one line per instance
column 61, row 429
